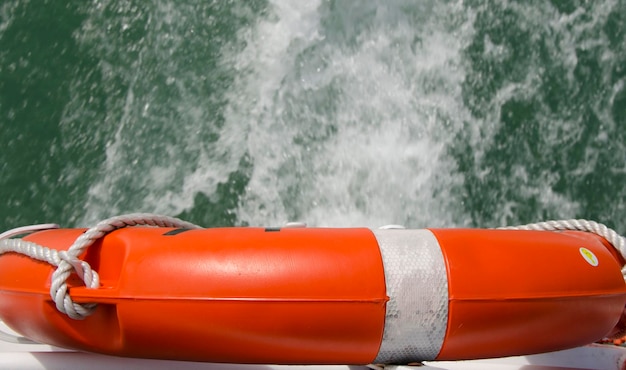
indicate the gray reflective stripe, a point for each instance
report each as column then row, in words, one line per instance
column 417, row 286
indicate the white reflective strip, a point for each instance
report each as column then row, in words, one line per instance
column 417, row 286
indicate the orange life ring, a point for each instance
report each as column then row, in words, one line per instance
column 324, row 296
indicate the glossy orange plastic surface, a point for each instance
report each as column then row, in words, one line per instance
column 245, row 295
column 527, row 292
column 313, row 296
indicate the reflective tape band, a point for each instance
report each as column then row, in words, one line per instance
column 417, row 286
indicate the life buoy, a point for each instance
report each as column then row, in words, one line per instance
column 323, row 295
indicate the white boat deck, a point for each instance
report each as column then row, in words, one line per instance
column 39, row 356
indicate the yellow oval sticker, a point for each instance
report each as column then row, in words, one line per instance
column 589, row 256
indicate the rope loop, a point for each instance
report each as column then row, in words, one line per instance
column 70, row 262
column 67, row 262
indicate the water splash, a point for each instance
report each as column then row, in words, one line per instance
column 454, row 113
column 544, row 81
column 349, row 119
column 164, row 91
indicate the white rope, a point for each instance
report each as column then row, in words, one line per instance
column 67, row 262
column 617, row 241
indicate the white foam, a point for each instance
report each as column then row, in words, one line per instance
column 354, row 131
column 7, row 11
column 561, row 38
column 346, row 114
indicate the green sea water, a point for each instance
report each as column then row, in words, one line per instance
column 425, row 113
